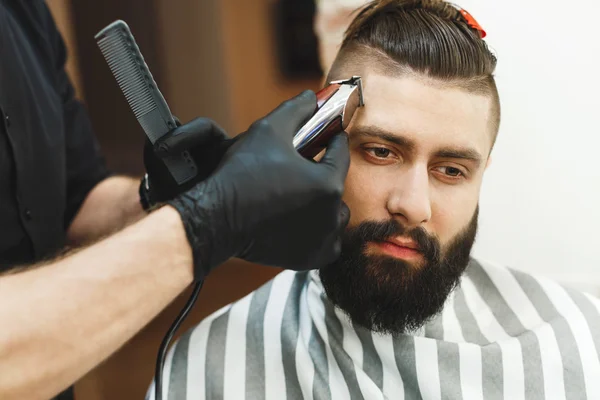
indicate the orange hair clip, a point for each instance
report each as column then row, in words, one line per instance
column 472, row 22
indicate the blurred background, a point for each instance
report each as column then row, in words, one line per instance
column 235, row 60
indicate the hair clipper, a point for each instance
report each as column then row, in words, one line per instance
column 336, row 104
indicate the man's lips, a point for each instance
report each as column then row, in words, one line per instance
column 398, row 248
column 404, row 243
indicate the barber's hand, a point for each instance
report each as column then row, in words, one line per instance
column 202, row 138
column 266, row 203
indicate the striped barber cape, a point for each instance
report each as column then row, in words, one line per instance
column 503, row 334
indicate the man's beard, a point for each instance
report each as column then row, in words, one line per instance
column 390, row 295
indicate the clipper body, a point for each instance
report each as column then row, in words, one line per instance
column 336, row 105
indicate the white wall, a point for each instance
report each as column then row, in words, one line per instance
column 540, row 204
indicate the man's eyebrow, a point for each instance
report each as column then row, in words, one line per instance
column 463, row 153
column 373, row 131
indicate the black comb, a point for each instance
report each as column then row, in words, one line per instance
column 127, row 64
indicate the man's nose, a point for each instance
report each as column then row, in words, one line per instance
column 409, row 200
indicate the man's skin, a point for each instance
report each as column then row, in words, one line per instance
column 409, row 149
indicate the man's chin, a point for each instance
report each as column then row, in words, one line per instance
column 390, row 291
column 387, row 295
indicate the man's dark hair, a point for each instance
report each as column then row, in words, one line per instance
column 424, row 38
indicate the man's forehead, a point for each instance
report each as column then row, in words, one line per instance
column 429, row 113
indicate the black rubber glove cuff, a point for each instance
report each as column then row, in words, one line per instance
column 203, row 220
column 145, row 194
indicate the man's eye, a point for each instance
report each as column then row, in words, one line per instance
column 451, row 171
column 379, row 152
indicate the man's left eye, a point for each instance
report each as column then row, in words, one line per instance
column 451, row 171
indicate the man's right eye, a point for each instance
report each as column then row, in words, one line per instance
column 378, row 152
column 381, row 152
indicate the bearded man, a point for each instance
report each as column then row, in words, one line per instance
column 405, row 312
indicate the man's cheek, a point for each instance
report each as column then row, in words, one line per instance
column 362, row 197
column 450, row 221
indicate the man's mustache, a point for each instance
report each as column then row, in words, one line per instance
column 380, row 231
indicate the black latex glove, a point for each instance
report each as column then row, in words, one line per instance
column 206, row 143
column 266, row 203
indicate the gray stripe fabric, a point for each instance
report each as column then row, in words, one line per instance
column 449, row 370
column 404, row 353
column 492, row 372
column 530, row 348
column 492, row 297
column 434, row 329
column 590, row 312
column 215, row 357
column 532, row 366
column 318, row 354
column 179, row 366
column 468, row 325
column 289, row 336
column 491, row 356
column 572, row 367
column 335, row 336
column 372, row 365
column 255, row 354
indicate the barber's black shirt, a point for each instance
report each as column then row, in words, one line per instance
column 49, row 158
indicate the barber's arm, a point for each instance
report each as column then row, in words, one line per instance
column 62, row 318
column 110, row 206
column 263, row 203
